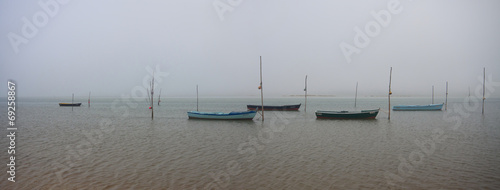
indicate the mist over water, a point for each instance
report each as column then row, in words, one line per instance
column 111, row 50
column 290, row 150
column 52, row 49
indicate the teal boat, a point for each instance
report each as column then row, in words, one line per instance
column 430, row 107
column 244, row 115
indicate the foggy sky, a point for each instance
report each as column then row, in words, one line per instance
column 106, row 46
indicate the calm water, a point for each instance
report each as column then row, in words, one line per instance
column 118, row 146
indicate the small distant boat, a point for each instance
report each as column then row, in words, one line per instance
column 430, row 107
column 70, row 104
column 244, row 115
column 275, row 108
column 363, row 114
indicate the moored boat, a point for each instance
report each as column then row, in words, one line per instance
column 430, row 107
column 244, row 115
column 70, row 104
column 294, row 107
column 363, row 114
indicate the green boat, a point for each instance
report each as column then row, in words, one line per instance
column 363, row 114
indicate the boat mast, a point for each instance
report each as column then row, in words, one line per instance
column 389, row 96
column 196, row 97
column 432, row 94
column 446, row 100
column 261, row 90
column 305, row 95
column 484, row 81
column 356, row 95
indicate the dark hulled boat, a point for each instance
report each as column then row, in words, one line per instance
column 70, row 104
column 275, row 108
column 363, row 114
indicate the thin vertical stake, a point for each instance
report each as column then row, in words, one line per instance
column 305, row 95
column 446, row 100
column 72, row 98
column 432, row 94
column 196, row 97
column 261, row 89
column 356, row 95
column 159, row 100
column 390, row 79
column 484, row 81
column 152, row 95
column 89, row 99
column 469, row 95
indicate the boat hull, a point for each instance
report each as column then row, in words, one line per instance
column 430, row 107
column 70, row 104
column 275, row 108
column 246, row 115
column 364, row 114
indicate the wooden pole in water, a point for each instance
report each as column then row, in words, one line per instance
column 261, row 90
column 89, row 99
column 356, row 95
column 484, row 82
column 72, row 98
column 446, row 100
column 305, row 95
column 390, row 79
column 196, row 97
column 432, row 94
column 152, row 95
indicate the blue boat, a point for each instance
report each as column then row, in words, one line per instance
column 244, row 115
column 430, row 107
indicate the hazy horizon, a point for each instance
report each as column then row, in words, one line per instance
column 56, row 48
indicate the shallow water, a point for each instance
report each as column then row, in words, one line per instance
column 114, row 144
